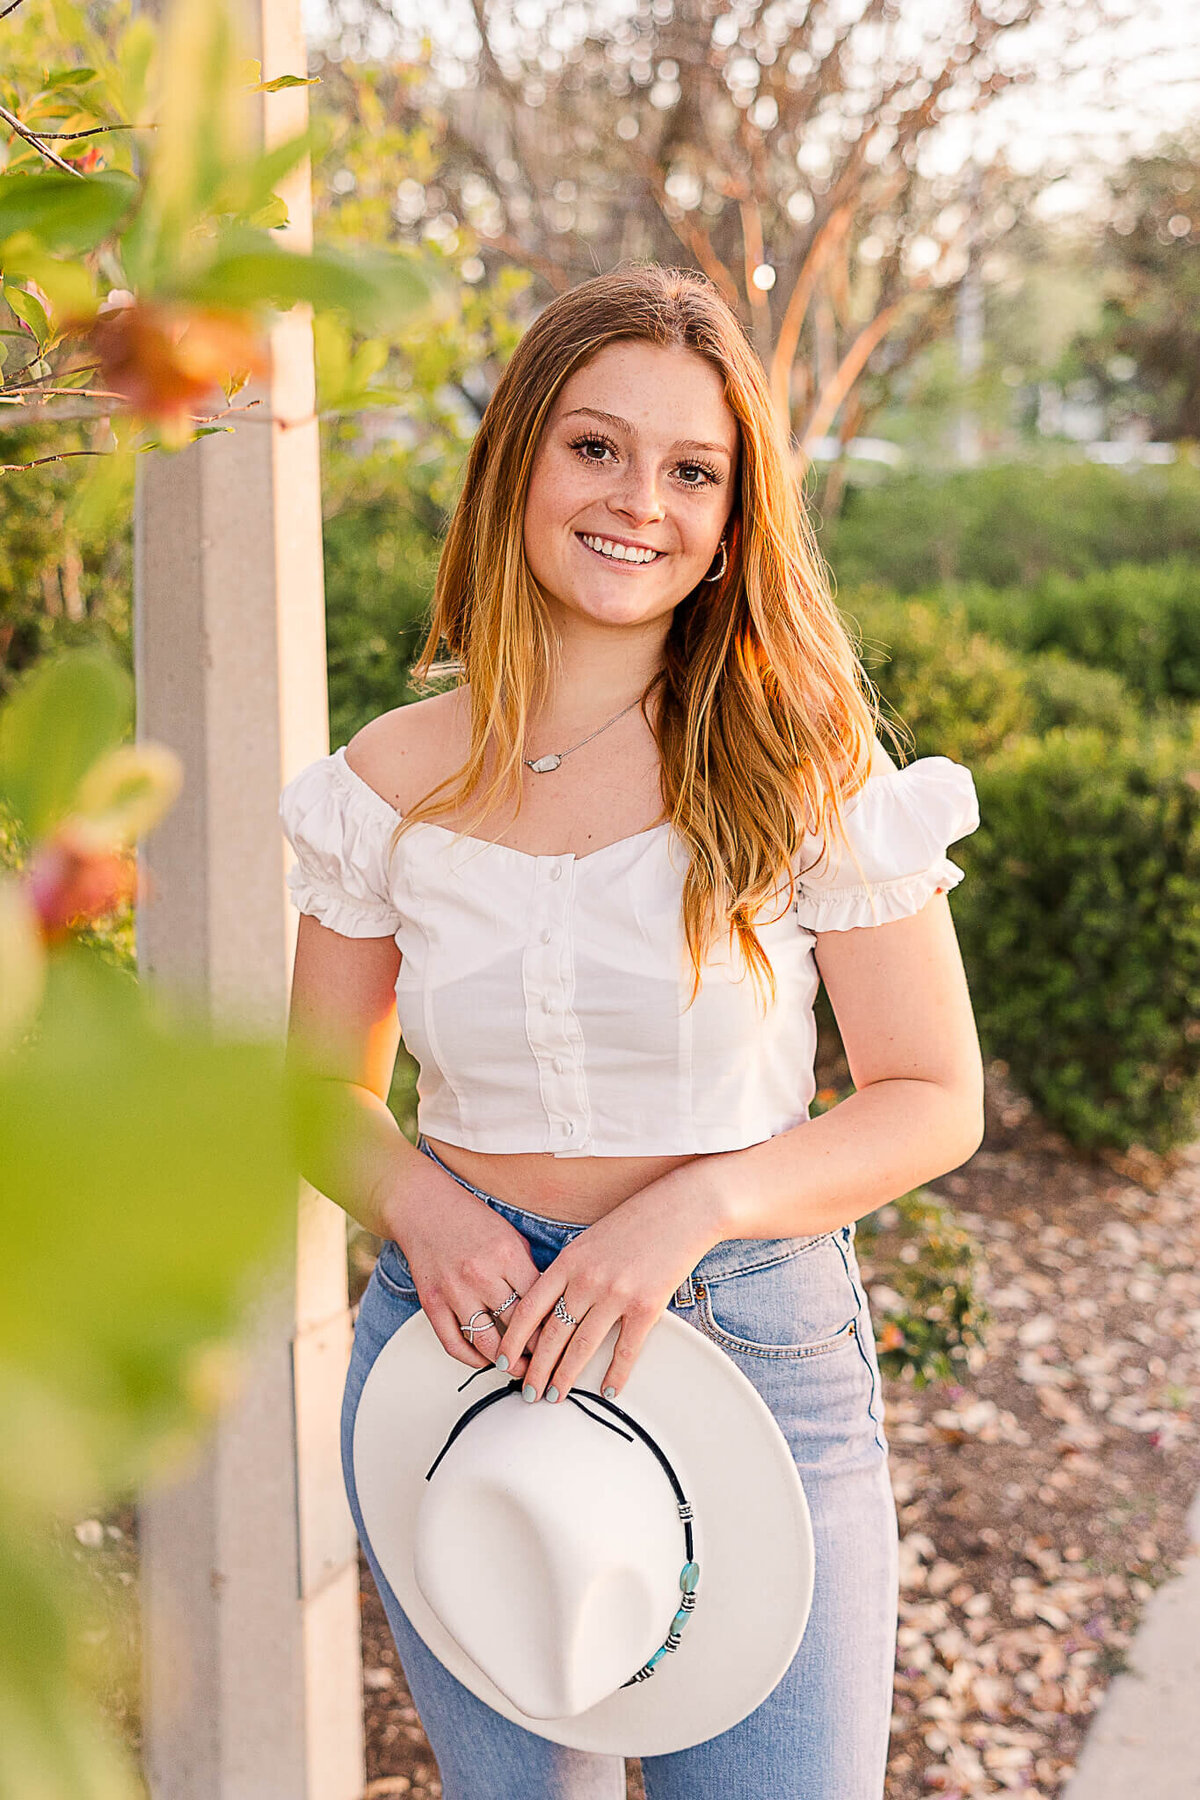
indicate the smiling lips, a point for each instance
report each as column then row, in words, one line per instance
column 615, row 551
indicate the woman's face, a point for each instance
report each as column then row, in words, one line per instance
column 632, row 483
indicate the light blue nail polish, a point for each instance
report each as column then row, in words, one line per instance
column 528, row 1392
column 502, row 1361
column 610, row 1393
column 552, row 1394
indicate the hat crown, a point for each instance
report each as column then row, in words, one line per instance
column 550, row 1549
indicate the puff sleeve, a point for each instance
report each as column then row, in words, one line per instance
column 897, row 826
column 339, row 828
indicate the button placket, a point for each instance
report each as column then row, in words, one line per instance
column 547, row 973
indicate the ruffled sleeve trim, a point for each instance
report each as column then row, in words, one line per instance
column 897, row 828
column 339, row 828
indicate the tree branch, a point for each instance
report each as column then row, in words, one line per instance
column 787, row 341
column 847, row 373
column 31, row 137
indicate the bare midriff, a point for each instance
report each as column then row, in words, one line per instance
column 576, row 1189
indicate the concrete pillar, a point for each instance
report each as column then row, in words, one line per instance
column 252, row 1665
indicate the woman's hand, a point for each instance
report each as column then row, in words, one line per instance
column 465, row 1259
column 625, row 1267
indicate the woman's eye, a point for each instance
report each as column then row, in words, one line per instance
column 595, row 449
column 586, row 445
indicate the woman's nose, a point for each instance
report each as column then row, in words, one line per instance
column 637, row 497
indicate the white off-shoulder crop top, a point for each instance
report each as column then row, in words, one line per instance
column 545, row 997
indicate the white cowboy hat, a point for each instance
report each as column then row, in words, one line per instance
column 546, row 1559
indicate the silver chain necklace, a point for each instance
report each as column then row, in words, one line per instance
column 542, row 765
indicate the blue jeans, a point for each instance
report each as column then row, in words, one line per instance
column 792, row 1314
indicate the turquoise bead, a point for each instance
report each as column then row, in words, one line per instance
column 680, row 1620
column 657, row 1657
column 689, row 1577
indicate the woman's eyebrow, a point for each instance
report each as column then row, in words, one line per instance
column 594, row 412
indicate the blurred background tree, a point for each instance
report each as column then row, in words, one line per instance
column 777, row 147
column 1143, row 354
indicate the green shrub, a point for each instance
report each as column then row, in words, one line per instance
column 923, row 1271
column 1010, row 524
column 1063, row 692
column 1080, row 928
column 954, row 668
column 1141, row 622
column 381, row 551
column 957, row 691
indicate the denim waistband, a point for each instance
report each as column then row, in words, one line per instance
column 732, row 1256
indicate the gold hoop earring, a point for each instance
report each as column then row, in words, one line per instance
column 724, row 564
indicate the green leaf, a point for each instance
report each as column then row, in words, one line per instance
column 101, row 496
column 381, row 291
column 270, row 217
column 67, row 214
column 54, row 725
column 133, row 62
column 204, row 131
column 29, row 309
column 287, row 81
column 253, row 185
column 57, row 78
column 164, row 1156
column 69, row 286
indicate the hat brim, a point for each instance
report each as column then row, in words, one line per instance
column 754, row 1539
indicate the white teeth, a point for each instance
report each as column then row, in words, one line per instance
column 620, row 552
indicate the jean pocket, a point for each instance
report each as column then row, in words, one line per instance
column 391, row 1267
column 797, row 1306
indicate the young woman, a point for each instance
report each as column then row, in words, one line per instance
column 605, row 966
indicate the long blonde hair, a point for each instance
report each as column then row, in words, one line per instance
column 767, row 720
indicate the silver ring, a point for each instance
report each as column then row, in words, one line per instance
column 511, row 1301
column 470, row 1328
column 560, row 1312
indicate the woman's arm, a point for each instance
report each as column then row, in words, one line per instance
column 343, row 1024
column 899, row 993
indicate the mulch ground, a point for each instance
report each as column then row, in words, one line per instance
column 1042, row 1496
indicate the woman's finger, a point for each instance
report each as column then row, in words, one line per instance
column 578, row 1351
column 528, row 1314
column 635, row 1329
column 555, row 1337
column 501, row 1309
column 448, row 1330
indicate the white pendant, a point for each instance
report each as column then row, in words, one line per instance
column 544, row 764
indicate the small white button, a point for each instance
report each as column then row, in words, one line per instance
column 559, row 1065
column 547, row 1003
column 546, row 936
column 569, row 1129
column 556, row 872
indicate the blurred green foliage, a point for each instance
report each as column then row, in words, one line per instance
column 1140, row 622
column 958, row 691
column 150, row 1166
column 63, row 582
column 1143, row 352
column 1009, row 524
column 929, row 1313
column 1080, row 927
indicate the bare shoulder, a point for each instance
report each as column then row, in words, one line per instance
column 405, row 752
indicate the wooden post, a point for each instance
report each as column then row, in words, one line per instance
column 252, row 1666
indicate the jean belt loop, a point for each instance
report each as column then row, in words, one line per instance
column 685, row 1293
